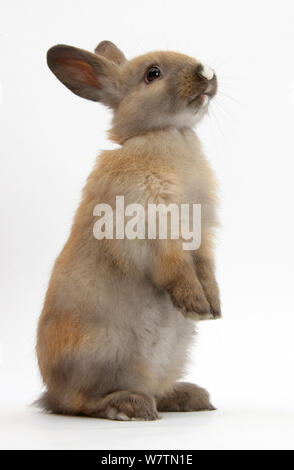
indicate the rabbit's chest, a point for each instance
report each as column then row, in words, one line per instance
column 198, row 187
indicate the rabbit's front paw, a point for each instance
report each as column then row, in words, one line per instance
column 191, row 302
column 212, row 295
column 215, row 307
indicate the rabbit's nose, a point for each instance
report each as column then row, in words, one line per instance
column 204, row 72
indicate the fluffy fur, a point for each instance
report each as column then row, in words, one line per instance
column 118, row 315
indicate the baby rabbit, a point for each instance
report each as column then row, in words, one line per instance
column 118, row 315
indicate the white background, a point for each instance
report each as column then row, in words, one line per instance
column 49, row 141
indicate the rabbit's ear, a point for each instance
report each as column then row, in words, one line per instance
column 87, row 75
column 111, row 52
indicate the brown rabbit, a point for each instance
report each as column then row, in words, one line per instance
column 118, row 314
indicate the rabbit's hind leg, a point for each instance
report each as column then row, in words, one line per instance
column 123, row 406
column 185, row 397
column 75, row 390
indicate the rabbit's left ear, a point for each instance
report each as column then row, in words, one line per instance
column 111, row 52
column 88, row 75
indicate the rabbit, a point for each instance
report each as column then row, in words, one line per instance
column 119, row 314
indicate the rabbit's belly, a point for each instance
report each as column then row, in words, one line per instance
column 155, row 339
column 165, row 338
column 142, row 335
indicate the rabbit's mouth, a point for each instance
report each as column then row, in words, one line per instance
column 201, row 98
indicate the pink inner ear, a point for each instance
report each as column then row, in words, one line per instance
column 79, row 71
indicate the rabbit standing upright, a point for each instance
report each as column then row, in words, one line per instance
column 118, row 314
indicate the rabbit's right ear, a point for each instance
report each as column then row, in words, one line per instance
column 111, row 52
column 88, row 75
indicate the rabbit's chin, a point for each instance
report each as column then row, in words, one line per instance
column 190, row 116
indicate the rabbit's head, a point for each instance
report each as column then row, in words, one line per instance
column 153, row 91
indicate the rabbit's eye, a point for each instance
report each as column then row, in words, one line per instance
column 152, row 74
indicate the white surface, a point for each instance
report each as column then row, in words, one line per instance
column 49, row 139
column 228, row 428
